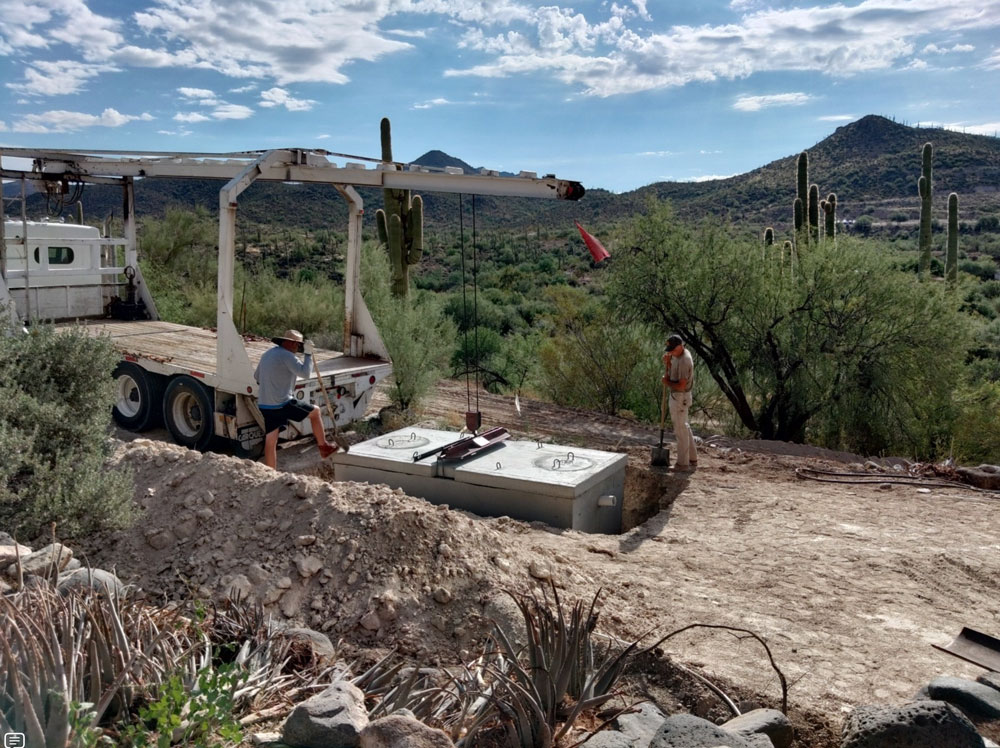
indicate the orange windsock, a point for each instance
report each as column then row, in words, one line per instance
column 597, row 250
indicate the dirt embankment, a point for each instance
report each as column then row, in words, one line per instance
column 849, row 584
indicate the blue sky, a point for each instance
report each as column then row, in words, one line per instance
column 614, row 94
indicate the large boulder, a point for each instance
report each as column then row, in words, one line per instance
column 689, row 731
column 985, row 476
column 333, row 718
column 51, row 558
column 403, row 731
column 975, row 699
column 920, row 724
column 89, row 579
column 768, row 722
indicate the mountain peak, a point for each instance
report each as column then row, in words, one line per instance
column 440, row 159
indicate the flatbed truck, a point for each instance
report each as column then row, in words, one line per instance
column 199, row 382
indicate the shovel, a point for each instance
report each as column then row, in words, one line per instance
column 661, row 455
column 337, row 438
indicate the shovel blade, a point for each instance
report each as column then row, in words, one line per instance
column 660, row 457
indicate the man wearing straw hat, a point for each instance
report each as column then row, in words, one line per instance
column 277, row 372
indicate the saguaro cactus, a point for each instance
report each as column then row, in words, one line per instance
column 925, row 190
column 768, row 236
column 829, row 207
column 802, row 190
column 951, row 260
column 400, row 225
column 814, row 213
column 800, row 215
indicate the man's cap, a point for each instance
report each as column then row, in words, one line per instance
column 293, row 335
column 673, row 341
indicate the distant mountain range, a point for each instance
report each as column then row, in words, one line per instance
column 872, row 165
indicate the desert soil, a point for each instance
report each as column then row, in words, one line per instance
column 850, row 584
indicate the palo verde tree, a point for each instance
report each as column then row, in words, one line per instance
column 838, row 353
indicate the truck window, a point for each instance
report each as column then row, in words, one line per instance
column 58, row 255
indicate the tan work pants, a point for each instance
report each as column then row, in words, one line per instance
column 680, row 403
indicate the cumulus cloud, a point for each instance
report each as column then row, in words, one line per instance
column 232, row 111
column 59, row 120
column 243, row 89
column 610, row 57
column 57, row 77
column 279, row 97
column 431, row 103
column 706, row 178
column 191, row 117
column 756, row 103
column 40, row 24
column 203, row 96
column 934, row 49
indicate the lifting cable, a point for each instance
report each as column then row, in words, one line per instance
column 465, row 304
column 831, row 476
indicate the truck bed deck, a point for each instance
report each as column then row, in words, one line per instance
column 193, row 349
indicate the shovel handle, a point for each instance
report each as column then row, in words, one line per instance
column 663, row 407
column 326, row 395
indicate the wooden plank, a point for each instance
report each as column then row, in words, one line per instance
column 194, row 348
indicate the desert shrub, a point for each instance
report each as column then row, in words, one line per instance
column 977, row 431
column 593, row 359
column 56, row 394
column 834, row 350
column 415, row 329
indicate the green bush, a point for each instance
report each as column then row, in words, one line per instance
column 56, row 394
column 415, row 329
column 595, row 360
column 834, row 350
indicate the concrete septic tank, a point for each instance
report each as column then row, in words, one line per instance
column 579, row 489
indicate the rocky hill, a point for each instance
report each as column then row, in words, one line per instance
column 872, row 164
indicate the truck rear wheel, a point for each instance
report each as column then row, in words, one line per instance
column 188, row 412
column 137, row 397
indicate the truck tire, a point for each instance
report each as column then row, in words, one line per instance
column 188, row 412
column 138, row 395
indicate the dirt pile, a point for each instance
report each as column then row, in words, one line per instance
column 361, row 562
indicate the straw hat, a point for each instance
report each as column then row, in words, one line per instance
column 293, row 335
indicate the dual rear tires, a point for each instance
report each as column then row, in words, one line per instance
column 184, row 405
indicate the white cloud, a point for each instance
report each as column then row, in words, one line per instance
column 431, row 103
column 204, row 96
column 411, row 34
column 837, row 118
column 244, row 89
column 706, row 178
column 657, row 153
column 57, row 77
column 181, row 133
column 612, row 58
column 916, row 64
column 933, row 49
column 993, row 61
column 708, row 153
column 154, row 58
column 232, row 111
column 40, row 24
column 324, row 136
column 3, row 126
column 191, row 117
column 984, row 128
column 279, row 97
column 756, row 103
column 59, row 120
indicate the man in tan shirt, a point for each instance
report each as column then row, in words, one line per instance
column 679, row 377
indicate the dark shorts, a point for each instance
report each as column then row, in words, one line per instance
column 275, row 418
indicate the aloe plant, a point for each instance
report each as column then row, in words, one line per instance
column 400, row 224
column 925, row 190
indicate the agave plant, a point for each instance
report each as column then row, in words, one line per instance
column 537, row 694
column 76, row 660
